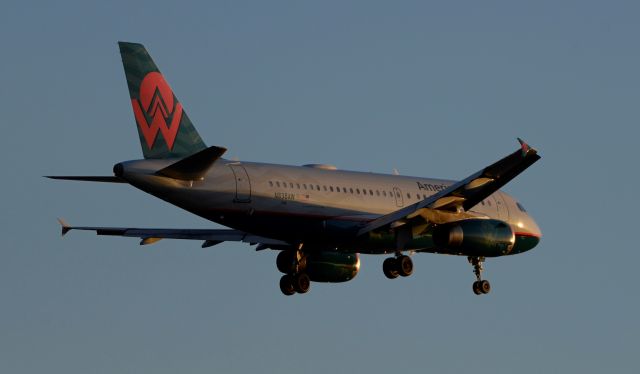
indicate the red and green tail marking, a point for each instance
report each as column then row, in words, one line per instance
column 164, row 128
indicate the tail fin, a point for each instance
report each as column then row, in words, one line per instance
column 164, row 127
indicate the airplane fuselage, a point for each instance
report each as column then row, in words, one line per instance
column 316, row 204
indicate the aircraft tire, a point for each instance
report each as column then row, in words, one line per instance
column 484, row 286
column 301, row 283
column 404, row 266
column 389, row 268
column 285, row 262
column 476, row 288
column 286, row 285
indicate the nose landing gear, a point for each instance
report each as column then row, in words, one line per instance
column 480, row 286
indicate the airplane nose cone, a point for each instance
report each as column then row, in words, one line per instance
column 528, row 235
column 534, row 228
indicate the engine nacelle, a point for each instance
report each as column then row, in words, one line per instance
column 332, row 267
column 475, row 237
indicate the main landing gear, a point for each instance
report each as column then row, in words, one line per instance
column 290, row 283
column 480, row 286
column 293, row 264
column 400, row 265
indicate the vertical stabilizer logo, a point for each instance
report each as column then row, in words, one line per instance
column 157, row 104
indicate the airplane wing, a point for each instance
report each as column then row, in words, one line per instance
column 463, row 195
column 210, row 237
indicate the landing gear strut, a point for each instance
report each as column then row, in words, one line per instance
column 400, row 265
column 293, row 264
column 480, row 286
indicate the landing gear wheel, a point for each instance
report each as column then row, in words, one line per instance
column 301, row 283
column 484, row 286
column 286, row 262
column 480, row 286
column 389, row 268
column 476, row 288
column 404, row 266
column 286, row 285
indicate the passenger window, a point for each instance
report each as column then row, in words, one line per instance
column 324, row 187
column 377, row 192
column 358, row 191
column 331, row 188
column 291, row 184
column 384, row 193
column 304, row 185
column 351, row 190
column 344, row 189
column 271, row 183
column 371, row 192
column 278, row 184
column 418, row 196
column 298, row 185
column 408, row 195
column 284, row 184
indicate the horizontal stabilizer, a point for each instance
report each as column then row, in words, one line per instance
column 105, row 179
column 195, row 166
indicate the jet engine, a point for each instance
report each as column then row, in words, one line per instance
column 330, row 267
column 475, row 237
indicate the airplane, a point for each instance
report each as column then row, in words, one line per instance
column 318, row 217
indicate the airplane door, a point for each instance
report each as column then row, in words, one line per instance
column 398, row 196
column 243, row 184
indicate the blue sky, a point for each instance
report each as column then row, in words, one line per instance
column 431, row 88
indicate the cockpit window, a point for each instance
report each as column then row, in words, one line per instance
column 522, row 209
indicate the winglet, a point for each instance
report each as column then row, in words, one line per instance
column 65, row 226
column 526, row 149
